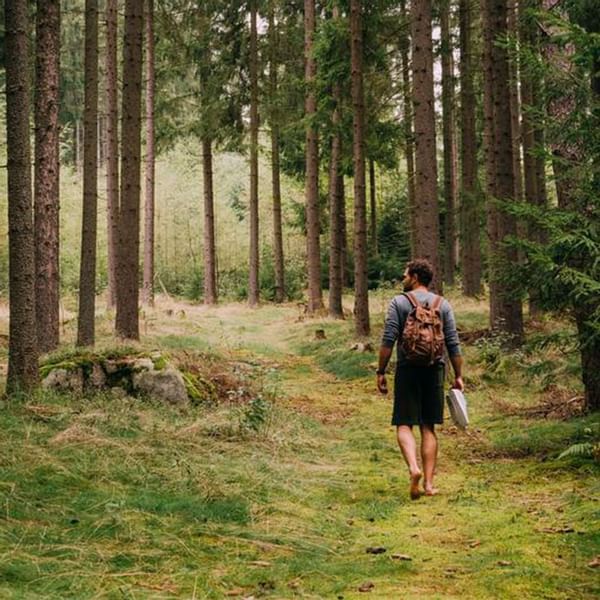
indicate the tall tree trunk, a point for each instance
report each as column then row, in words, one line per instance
column 336, row 182
column 22, row 343
column 427, row 238
column 112, row 143
column 361, row 289
column 341, row 188
column 469, row 202
column 313, row 246
column 515, row 102
column 210, row 263
column 449, row 142
column 87, row 273
column 253, row 285
column 373, row 207
column 409, row 146
column 508, row 317
column 47, row 168
column 127, row 320
column 148, row 278
column 275, row 167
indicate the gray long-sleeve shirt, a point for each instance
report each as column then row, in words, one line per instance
column 400, row 308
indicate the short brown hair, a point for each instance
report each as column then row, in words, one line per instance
column 422, row 268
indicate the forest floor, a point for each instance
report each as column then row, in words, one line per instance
column 282, row 495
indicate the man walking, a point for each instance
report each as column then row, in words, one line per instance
column 422, row 323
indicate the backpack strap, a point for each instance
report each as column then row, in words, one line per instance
column 437, row 302
column 412, row 299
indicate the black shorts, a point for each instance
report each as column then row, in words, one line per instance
column 418, row 395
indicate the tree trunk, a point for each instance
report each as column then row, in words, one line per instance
column 449, row 142
column 507, row 316
column 336, row 250
column 470, row 246
column 515, row 102
column 373, row 207
column 409, row 146
column 210, row 262
column 253, row 285
column 127, row 321
column 341, row 189
column 148, row 278
column 47, row 168
column 275, row 168
column 22, row 343
column 427, row 238
column 87, row 273
column 361, row 289
column 112, row 143
column 313, row 246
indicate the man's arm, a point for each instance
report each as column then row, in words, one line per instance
column 385, row 352
column 391, row 332
column 457, row 363
column 453, row 347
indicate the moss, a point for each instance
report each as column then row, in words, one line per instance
column 199, row 389
column 160, row 362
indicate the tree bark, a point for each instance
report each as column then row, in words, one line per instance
column 470, row 246
column 409, row 146
column 148, row 277
column 508, row 316
column 361, row 289
column 127, row 320
column 210, row 263
column 449, row 143
column 313, row 245
column 515, row 102
column 87, row 273
column 373, row 207
column 47, row 169
column 112, row 143
column 275, row 163
column 427, row 238
column 253, row 284
column 341, row 189
column 336, row 208
column 22, row 343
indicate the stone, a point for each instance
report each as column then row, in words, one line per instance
column 166, row 385
column 142, row 364
column 97, row 378
column 67, row 380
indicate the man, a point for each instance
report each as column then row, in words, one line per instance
column 418, row 390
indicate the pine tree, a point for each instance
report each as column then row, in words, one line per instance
column 87, row 272
column 427, row 236
column 22, row 343
column 46, row 201
column 128, row 253
column 313, row 246
column 361, row 291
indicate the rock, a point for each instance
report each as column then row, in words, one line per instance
column 142, row 364
column 504, row 563
column 594, row 564
column 362, row 347
column 320, row 334
column 367, row 586
column 67, row 380
column 401, row 557
column 118, row 392
column 97, row 378
column 111, row 367
column 376, row 550
column 166, row 385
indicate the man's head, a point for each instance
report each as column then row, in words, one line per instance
column 418, row 272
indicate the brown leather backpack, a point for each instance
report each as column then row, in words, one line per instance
column 423, row 335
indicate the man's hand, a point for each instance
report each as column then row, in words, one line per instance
column 382, row 384
column 458, row 384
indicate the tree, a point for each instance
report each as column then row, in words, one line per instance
column 253, row 285
column 47, row 168
column 470, row 247
column 449, row 142
column 112, row 143
column 361, row 290
column 506, row 309
column 22, row 343
column 426, row 193
column 274, row 117
column 87, row 273
column 373, row 207
column 313, row 247
column 127, row 321
column 148, row 280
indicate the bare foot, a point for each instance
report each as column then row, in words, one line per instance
column 431, row 491
column 415, row 492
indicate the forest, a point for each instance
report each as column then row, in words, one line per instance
column 209, row 206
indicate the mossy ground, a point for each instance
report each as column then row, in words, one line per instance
column 279, row 495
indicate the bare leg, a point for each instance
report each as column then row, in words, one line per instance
column 429, row 447
column 408, row 445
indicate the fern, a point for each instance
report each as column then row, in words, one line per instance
column 584, row 450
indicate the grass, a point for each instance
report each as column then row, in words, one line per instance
column 279, row 494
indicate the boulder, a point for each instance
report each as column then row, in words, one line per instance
column 166, row 385
column 65, row 380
